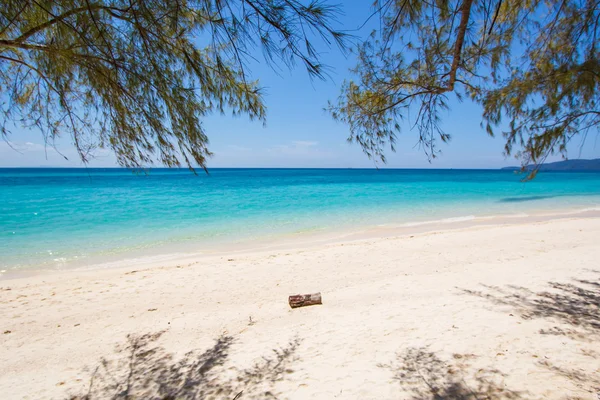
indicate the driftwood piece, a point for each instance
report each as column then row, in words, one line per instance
column 302, row 300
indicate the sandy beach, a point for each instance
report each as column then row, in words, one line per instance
column 481, row 312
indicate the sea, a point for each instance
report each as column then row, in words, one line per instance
column 57, row 219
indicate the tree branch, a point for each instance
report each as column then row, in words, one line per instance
column 462, row 30
column 61, row 17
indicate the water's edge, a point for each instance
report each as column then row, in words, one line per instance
column 70, row 219
column 308, row 241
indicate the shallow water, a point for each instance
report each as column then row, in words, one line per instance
column 62, row 218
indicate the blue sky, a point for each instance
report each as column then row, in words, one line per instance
column 299, row 133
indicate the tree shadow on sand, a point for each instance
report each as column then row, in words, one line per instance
column 147, row 371
column 583, row 380
column 574, row 310
column 425, row 376
column 575, row 305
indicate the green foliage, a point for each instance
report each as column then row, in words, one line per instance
column 131, row 75
column 534, row 63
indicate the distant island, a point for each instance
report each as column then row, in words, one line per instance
column 567, row 165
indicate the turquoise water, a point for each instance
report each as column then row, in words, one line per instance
column 60, row 218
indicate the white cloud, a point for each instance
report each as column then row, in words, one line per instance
column 238, row 148
column 304, row 143
column 30, row 154
column 295, row 147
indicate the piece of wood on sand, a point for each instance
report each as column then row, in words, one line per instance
column 303, row 300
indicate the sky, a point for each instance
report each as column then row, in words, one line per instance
column 300, row 134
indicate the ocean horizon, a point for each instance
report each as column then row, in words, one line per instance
column 62, row 218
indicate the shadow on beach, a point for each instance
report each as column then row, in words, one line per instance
column 425, row 376
column 144, row 370
column 574, row 310
column 574, row 305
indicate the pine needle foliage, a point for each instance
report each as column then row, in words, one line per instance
column 138, row 76
column 532, row 65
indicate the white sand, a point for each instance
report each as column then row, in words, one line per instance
column 467, row 314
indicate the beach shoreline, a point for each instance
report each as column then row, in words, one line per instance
column 70, row 219
column 501, row 310
column 296, row 241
